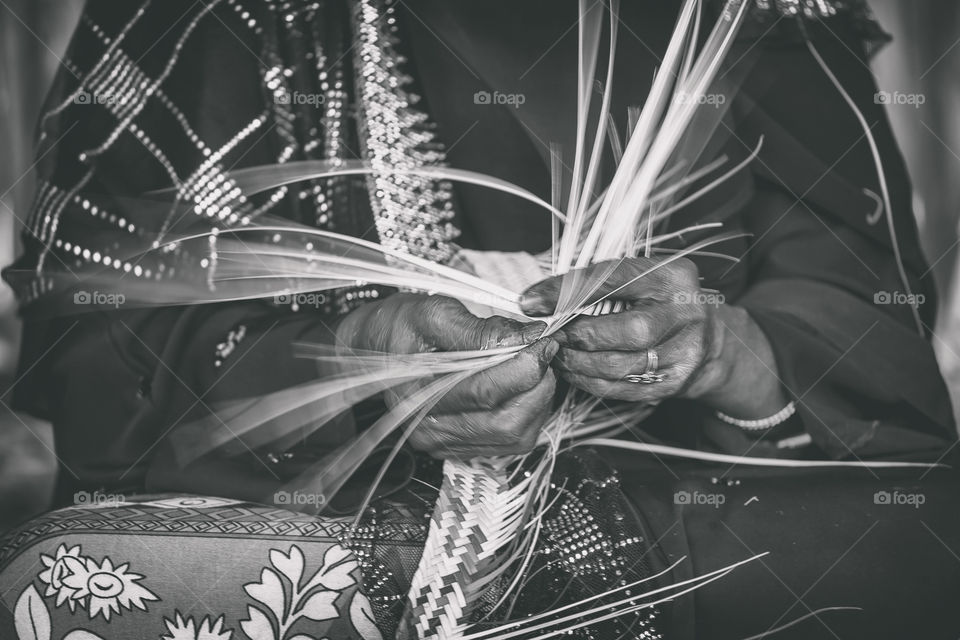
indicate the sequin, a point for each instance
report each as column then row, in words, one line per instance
column 412, row 214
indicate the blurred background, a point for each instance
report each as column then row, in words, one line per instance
column 923, row 60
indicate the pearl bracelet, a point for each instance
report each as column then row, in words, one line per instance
column 763, row 423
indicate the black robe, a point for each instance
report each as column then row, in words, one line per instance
column 812, row 273
column 866, row 382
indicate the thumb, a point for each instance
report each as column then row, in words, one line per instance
column 581, row 287
column 573, row 289
column 498, row 332
column 540, row 299
column 453, row 328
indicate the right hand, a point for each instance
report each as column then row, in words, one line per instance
column 498, row 411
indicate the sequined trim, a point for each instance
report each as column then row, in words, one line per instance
column 807, row 8
column 112, row 45
column 159, row 93
column 148, row 87
column 229, row 345
column 412, row 214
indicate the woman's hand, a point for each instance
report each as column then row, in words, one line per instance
column 704, row 349
column 497, row 411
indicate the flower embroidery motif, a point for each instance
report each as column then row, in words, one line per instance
column 108, row 588
column 286, row 598
column 56, row 570
column 181, row 629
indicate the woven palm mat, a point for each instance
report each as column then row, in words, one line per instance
column 592, row 541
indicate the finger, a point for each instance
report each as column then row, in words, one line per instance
column 609, row 365
column 628, row 279
column 509, row 430
column 447, row 326
column 566, row 291
column 620, row 390
column 497, row 332
column 631, row 330
column 493, row 387
column 679, row 360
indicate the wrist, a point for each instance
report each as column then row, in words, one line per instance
column 740, row 372
column 716, row 370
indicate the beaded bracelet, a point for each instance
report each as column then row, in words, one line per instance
column 763, row 423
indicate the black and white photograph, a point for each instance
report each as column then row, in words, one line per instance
column 479, row 319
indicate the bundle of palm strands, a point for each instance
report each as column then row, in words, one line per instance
column 487, row 518
column 485, row 523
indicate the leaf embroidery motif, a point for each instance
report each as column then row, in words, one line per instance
column 31, row 618
column 269, row 591
column 336, row 572
column 280, row 593
column 258, row 626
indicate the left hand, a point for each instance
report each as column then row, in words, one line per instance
column 666, row 312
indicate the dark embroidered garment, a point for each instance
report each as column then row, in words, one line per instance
column 307, row 58
column 592, row 542
column 175, row 94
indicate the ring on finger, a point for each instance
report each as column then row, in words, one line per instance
column 650, row 374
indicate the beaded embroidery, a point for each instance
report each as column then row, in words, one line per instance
column 229, row 345
column 808, row 8
column 412, row 214
column 778, row 19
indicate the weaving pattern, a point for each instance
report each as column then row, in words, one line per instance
column 477, row 511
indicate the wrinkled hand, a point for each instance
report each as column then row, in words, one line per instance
column 666, row 312
column 497, row 411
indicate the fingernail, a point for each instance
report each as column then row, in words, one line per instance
column 552, row 349
column 544, row 349
column 532, row 331
column 532, row 303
